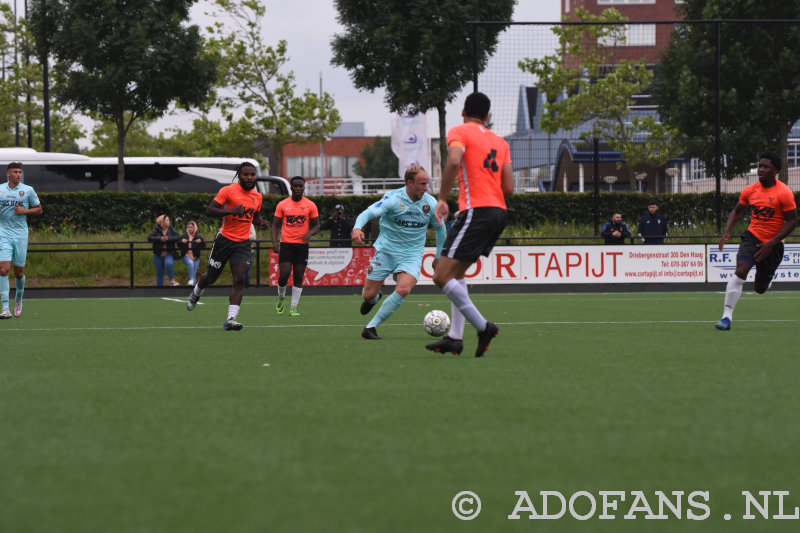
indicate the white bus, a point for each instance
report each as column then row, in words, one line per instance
column 56, row 172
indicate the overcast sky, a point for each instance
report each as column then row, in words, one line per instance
column 308, row 27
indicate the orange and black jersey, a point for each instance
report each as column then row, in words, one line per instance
column 767, row 205
column 237, row 227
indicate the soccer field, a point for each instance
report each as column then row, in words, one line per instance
column 132, row 415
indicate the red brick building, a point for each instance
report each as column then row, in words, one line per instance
column 642, row 40
column 328, row 168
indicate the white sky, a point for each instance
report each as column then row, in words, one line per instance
column 308, row 27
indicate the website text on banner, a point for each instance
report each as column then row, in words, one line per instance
column 529, row 264
column 721, row 265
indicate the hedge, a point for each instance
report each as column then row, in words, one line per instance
column 114, row 211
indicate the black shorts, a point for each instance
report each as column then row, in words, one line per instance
column 224, row 250
column 765, row 268
column 294, row 253
column 474, row 233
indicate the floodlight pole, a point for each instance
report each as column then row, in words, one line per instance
column 16, row 47
column 475, row 58
column 718, row 137
column 596, row 143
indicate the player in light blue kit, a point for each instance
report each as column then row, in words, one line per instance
column 17, row 200
column 405, row 215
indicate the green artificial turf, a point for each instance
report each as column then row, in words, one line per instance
column 134, row 415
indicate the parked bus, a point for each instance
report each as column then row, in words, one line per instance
column 56, row 172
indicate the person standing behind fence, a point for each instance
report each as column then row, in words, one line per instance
column 481, row 160
column 340, row 227
column 615, row 231
column 190, row 244
column 17, row 201
column 773, row 216
column 653, row 226
column 239, row 205
column 164, row 238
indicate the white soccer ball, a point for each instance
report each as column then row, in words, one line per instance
column 436, row 323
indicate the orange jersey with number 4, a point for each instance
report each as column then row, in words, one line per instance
column 479, row 177
column 237, row 227
column 767, row 206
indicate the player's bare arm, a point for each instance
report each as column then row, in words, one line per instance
column 215, row 209
column 277, row 224
column 260, row 222
column 37, row 210
column 733, row 218
column 358, row 236
column 507, row 180
column 789, row 223
column 313, row 229
column 454, row 156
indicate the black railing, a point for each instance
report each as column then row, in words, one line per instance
column 260, row 246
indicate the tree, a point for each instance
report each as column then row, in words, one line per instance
column 580, row 87
column 8, row 104
column 379, row 160
column 420, row 52
column 138, row 141
column 759, row 76
column 123, row 60
column 21, row 91
column 209, row 138
column 64, row 131
column 253, row 83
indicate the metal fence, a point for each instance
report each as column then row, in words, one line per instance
column 561, row 161
column 141, row 270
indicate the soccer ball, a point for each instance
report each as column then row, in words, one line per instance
column 436, row 323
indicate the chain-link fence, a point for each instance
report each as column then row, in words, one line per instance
column 631, row 158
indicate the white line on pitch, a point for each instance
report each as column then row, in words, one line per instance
column 359, row 325
column 179, row 301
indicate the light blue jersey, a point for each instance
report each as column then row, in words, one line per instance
column 12, row 225
column 404, row 223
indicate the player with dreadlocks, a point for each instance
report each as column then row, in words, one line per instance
column 240, row 205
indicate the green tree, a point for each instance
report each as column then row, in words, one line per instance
column 581, row 87
column 209, row 138
column 64, row 131
column 123, row 60
column 254, row 85
column 8, row 102
column 759, row 77
column 419, row 52
column 138, row 141
column 379, row 160
column 21, row 92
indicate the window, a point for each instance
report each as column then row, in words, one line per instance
column 303, row 166
column 635, row 35
column 566, row 6
column 336, row 167
column 793, row 154
column 613, row 2
column 309, row 166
